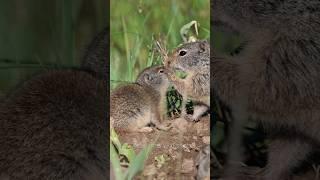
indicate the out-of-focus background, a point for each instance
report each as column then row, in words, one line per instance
column 135, row 24
column 37, row 35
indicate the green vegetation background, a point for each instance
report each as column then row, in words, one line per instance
column 37, row 35
column 134, row 23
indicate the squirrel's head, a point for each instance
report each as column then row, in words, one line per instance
column 154, row 76
column 190, row 57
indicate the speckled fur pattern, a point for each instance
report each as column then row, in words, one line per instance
column 279, row 68
column 134, row 106
column 196, row 63
column 54, row 127
column 194, row 59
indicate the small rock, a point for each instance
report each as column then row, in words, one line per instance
column 180, row 125
column 194, row 137
column 202, row 128
column 193, row 145
column 206, row 139
column 162, row 176
column 186, row 148
column 187, row 166
column 149, row 170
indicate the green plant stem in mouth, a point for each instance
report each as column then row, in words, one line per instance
column 180, row 74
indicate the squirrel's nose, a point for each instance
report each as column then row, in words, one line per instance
column 166, row 71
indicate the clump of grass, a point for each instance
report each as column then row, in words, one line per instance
column 133, row 162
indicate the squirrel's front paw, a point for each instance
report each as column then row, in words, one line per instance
column 164, row 126
column 145, row 130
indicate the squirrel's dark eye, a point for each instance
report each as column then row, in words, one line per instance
column 161, row 71
column 182, row 52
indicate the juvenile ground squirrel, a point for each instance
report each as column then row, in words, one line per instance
column 134, row 106
column 278, row 71
column 194, row 59
column 55, row 125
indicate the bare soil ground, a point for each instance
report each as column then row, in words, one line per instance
column 179, row 147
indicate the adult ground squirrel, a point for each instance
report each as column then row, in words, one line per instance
column 277, row 71
column 134, row 106
column 55, row 125
column 194, row 59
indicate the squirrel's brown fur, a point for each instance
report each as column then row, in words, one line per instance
column 134, row 106
column 194, row 59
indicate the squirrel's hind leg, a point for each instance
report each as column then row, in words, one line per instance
column 158, row 122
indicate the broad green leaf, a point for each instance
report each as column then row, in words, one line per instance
column 138, row 162
column 115, row 139
column 181, row 74
column 128, row 151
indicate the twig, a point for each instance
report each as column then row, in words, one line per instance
column 161, row 48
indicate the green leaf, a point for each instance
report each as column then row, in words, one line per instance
column 138, row 162
column 115, row 139
column 128, row 151
column 161, row 160
column 181, row 74
column 115, row 163
column 178, row 103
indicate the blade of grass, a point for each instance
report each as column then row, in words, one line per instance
column 115, row 163
column 138, row 162
column 127, row 50
column 115, row 139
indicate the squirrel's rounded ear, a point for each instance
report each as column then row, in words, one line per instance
column 203, row 46
column 147, row 77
